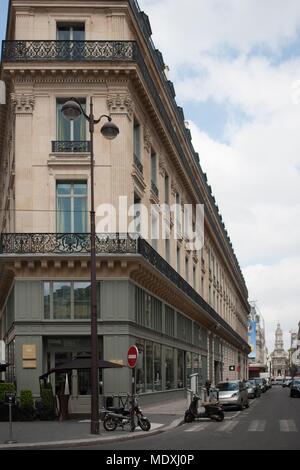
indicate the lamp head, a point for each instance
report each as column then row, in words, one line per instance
column 71, row 110
column 109, row 130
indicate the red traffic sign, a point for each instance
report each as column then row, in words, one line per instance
column 132, row 356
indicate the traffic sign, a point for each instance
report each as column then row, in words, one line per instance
column 132, row 356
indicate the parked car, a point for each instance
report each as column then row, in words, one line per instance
column 295, row 388
column 262, row 384
column 256, row 388
column 233, row 394
column 279, row 381
column 287, row 382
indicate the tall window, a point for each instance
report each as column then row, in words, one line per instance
column 70, row 32
column 167, row 190
column 187, row 268
column 70, row 131
column 168, row 251
column 71, row 204
column 178, row 260
column 137, row 140
column 194, row 277
column 137, row 215
column 154, row 228
column 153, row 167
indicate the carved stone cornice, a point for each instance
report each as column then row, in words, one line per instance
column 22, row 104
column 120, row 104
column 147, row 139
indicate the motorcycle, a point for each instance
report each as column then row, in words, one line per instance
column 120, row 417
column 213, row 411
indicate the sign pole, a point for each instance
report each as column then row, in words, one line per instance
column 10, row 440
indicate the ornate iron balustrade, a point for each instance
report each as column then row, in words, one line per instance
column 77, row 243
column 138, row 164
column 164, row 268
column 65, row 243
column 23, row 51
column 154, row 189
column 70, row 147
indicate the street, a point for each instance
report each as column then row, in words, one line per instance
column 272, row 422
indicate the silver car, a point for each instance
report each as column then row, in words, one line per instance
column 233, row 394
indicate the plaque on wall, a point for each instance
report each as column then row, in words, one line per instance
column 29, row 364
column 29, row 352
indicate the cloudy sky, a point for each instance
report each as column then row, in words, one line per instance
column 236, row 69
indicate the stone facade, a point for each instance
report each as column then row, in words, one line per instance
column 279, row 358
column 40, row 275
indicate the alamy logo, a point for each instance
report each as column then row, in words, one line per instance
column 2, row 92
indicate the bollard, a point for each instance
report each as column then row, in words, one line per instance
column 10, row 399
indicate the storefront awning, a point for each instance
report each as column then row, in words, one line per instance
column 80, row 363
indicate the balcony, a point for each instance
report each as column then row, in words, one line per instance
column 154, row 189
column 120, row 244
column 64, row 243
column 138, row 164
column 71, row 147
column 37, row 51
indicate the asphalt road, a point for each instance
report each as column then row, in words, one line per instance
column 271, row 423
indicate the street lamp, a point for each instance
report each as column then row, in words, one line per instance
column 73, row 110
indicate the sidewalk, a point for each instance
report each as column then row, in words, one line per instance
column 44, row 434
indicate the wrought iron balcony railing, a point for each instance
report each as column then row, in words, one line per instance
column 77, row 243
column 154, row 189
column 64, row 243
column 138, row 164
column 23, row 51
column 70, row 147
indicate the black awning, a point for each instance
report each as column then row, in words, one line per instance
column 79, row 364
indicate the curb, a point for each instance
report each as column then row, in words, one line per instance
column 87, row 442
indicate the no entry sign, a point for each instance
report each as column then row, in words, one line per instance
column 132, row 356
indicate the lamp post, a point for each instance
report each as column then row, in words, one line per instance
column 73, row 110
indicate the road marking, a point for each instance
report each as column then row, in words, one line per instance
column 288, row 425
column 227, row 427
column 257, row 426
column 199, row 427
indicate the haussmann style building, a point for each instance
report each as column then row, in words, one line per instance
column 187, row 311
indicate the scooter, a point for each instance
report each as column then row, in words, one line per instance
column 213, row 411
column 114, row 417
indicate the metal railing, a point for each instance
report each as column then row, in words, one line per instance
column 64, row 243
column 154, row 189
column 138, row 164
column 59, row 146
column 23, row 51
column 80, row 243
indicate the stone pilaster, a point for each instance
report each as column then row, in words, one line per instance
column 23, row 106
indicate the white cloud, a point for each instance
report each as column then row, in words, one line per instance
column 184, row 30
column 277, row 287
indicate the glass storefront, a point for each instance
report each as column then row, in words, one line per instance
column 157, row 368
column 180, row 369
column 169, row 364
column 62, row 350
column 66, row 300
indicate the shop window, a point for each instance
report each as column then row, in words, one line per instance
column 157, row 368
column 169, row 362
